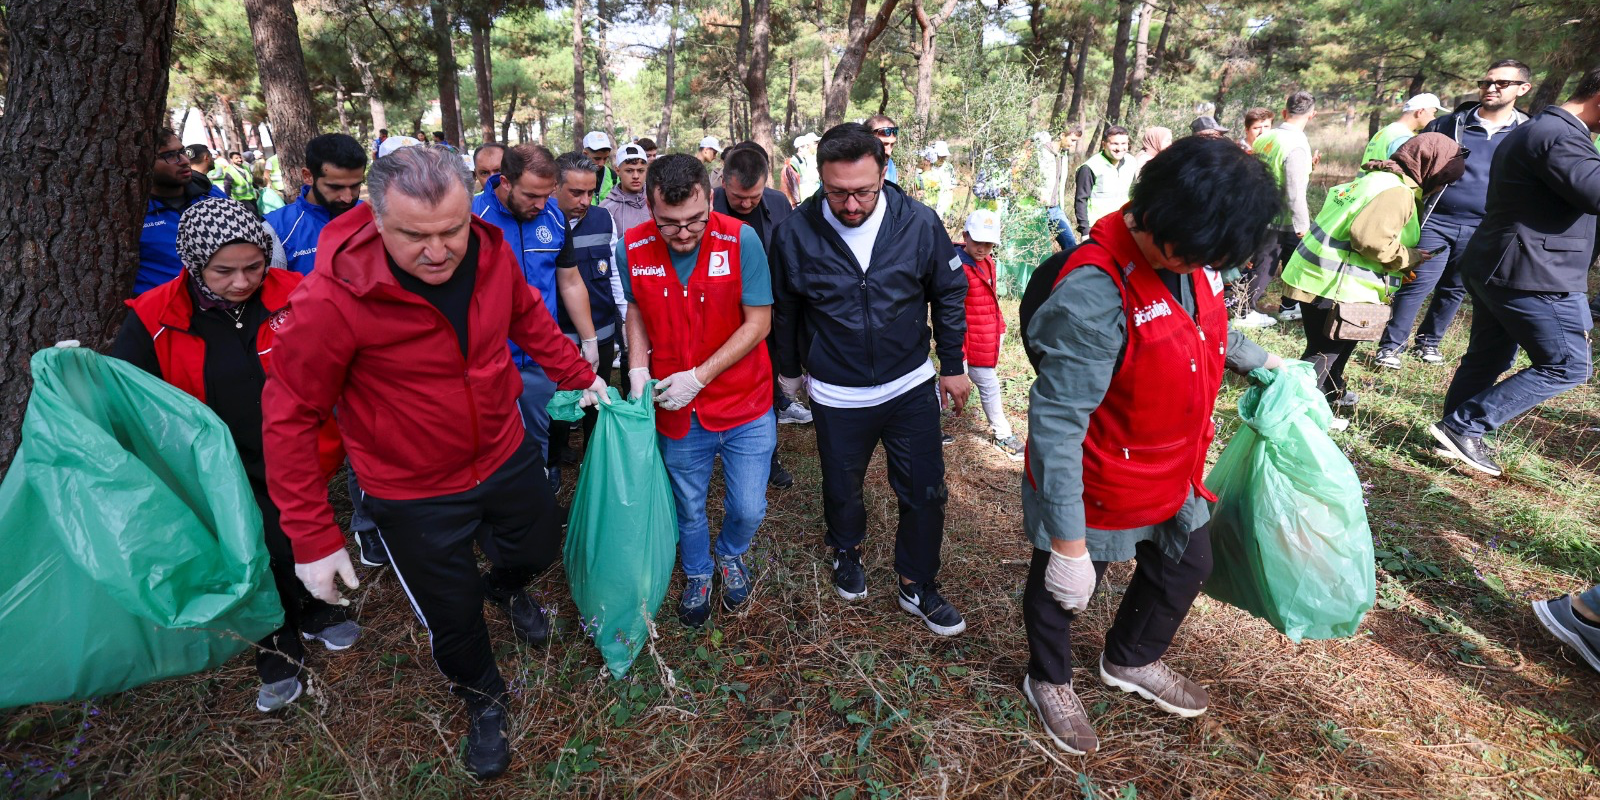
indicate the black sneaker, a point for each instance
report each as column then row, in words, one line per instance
column 946, row 439
column 694, row 607
column 1428, row 353
column 923, row 600
column 371, row 550
column 1387, row 358
column 528, row 621
column 849, row 579
column 1468, row 449
column 780, row 477
column 488, row 753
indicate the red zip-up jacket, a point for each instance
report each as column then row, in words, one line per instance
column 417, row 419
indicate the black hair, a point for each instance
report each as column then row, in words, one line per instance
column 438, row 135
column 675, row 177
column 1521, row 68
column 1115, row 130
column 1206, row 198
column 198, row 152
column 573, row 162
column 383, row 131
column 746, row 163
column 1300, row 104
column 339, row 149
column 231, row 153
column 486, row 146
column 534, row 158
column 850, row 142
column 1588, row 85
column 879, row 121
column 647, row 143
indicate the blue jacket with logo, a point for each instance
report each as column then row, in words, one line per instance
column 298, row 226
column 158, row 242
column 592, row 255
column 535, row 243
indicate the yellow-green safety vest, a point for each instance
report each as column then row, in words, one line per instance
column 1111, row 183
column 1272, row 152
column 1378, row 148
column 1326, row 250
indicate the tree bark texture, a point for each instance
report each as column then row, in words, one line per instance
column 1119, row 62
column 369, row 86
column 482, row 72
column 282, row 66
column 1062, row 91
column 339, row 98
column 755, row 77
column 859, row 36
column 1549, row 91
column 449, row 90
column 927, row 56
column 1141, row 55
column 511, row 111
column 1075, row 110
column 790, row 108
column 580, row 101
column 232, row 123
column 602, row 65
column 92, row 73
column 671, row 98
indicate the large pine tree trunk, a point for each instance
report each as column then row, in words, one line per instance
column 92, row 73
column 282, row 67
column 511, row 110
column 1141, row 54
column 580, row 101
column 339, row 98
column 1119, row 62
column 859, row 38
column 1075, row 110
column 380, row 114
column 791, row 109
column 1549, row 91
column 1062, row 92
column 755, row 77
column 927, row 56
column 449, row 90
column 602, row 64
column 483, row 73
column 672, row 79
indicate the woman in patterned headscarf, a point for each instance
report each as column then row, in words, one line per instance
column 209, row 332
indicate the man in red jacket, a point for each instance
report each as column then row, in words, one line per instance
column 402, row 328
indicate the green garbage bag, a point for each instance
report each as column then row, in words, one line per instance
column 622, row 535
column 1025, row 242
column 1289, row 534
column 132, row 541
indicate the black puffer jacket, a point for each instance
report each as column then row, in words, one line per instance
column 850, row 328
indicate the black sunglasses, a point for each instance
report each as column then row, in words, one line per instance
column 1501, row 84
column 891, row 131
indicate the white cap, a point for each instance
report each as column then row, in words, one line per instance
column 1421, row 101
column 983, row 225
column 940, row 149
column 596, row 140
column 711, row 142
column 394, row 143
column 804, row 139
column 628, row 152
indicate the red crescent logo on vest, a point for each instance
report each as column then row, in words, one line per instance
column 278, row 320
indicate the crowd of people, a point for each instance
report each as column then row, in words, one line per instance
column 414, row 339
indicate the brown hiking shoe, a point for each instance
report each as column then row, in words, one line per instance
column 1156, row 682
column 1063, row 716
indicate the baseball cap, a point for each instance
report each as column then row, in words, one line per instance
column 806, row 138
column 394, row 143
column 983, row 225
column 629, row 152
column 1421, row 101
column 1202, row 124
column 711, row 142
column 596, row 140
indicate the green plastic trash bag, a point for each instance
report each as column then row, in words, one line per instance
column 132, row 541
column 622, row 536
column 1289, row 534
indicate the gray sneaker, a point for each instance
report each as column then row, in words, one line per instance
column 1062, row 714
column 1159, row 684
column 274, row 696
column 794, row 414
column 1562, row 622
column 338, row 636
column 1010, row 445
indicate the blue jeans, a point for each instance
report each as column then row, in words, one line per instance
column 1063, row 228
column 1552, row 327
column 537, row 389
column 746, row 452
column 1440, row 275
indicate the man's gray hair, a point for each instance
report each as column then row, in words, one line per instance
column 422, row 173
column 573, row 162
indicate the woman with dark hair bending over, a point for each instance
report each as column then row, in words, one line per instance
column 1130, row 348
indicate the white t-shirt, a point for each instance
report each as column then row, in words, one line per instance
column 860, row 240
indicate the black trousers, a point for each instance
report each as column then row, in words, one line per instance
column 561, row 429
column 908, row 427
column 1157, row 600
column 512, row 517
column 1328, row 356
column 280, row 655
column 1268, row 263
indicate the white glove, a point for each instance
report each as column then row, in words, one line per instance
column 790, row 386
column 637, row 378
column 590, row 349
column 596, row 393
column 1070, row 579
column 678, row 390
column 318, row 576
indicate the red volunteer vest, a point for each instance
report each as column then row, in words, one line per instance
column 686, row 324
column 1146, row 443
column 166, row 312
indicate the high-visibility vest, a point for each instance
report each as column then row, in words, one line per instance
column 1111, row 184
column 1271, row 150
column 244, row 186
column 277, row 175
column 1326, row 251
column 1378, row 148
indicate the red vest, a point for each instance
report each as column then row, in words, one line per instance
column 166, row 311
column 1146, row 443
column 985, row 323
column 686, row 324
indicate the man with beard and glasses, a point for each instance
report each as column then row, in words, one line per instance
column 174, row 186
column 336, row 166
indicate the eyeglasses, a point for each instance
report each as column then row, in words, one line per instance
column 174, row 157
column 889, row 131
column 861, row 196
column 692, row 227
column 1500, row 84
